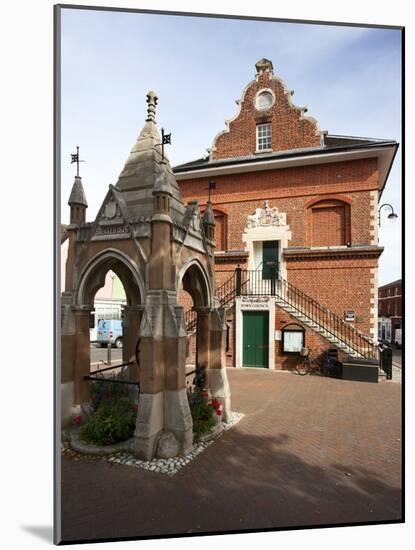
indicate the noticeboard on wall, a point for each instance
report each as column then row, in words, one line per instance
column 293, row 338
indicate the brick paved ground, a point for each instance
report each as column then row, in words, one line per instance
column 310, row 450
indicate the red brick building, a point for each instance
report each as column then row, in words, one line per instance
column 296, row 210
column 390, row 310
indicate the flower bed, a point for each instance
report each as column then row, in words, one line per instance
column 205, row 412
column 111, row 414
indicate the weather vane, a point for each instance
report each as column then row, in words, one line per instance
column 75, row 158
column 165, row 140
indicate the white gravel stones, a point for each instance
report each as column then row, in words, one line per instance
column 166, row 466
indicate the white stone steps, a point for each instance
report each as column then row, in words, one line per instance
column 293, row 311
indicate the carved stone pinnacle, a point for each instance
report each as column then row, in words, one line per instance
column 151, row 109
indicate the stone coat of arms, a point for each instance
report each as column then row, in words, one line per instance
column 267, row 216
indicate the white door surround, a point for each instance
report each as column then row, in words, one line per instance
column 267, row 224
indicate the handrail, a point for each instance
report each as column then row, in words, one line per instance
column 258, row 283
column 308, row 306
column 328, row 320
column 111, row 380
column 112, row 367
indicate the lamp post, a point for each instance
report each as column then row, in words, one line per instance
column 391, row 216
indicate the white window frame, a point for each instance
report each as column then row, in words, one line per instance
column 260, row 139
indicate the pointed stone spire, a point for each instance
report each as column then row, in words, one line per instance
column 145, row 172
column 77, row 202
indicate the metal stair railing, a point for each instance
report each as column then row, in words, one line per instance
column 244, row 282
column 328, row 320
column 307, row 306
column 225, row 293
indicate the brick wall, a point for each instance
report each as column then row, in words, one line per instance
column 347, row 216
column 290, row 128
column 338, row 285
column 312, row 340
column 290, row 189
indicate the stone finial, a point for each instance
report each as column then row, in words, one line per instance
column 264, row 65
column 151, row 109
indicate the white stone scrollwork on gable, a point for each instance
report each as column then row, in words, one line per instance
column 267, row 216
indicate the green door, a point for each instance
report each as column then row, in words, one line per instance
column 255, row 339
column 269, row 259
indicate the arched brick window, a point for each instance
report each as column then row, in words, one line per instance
column 221, row 236
column 329, row 223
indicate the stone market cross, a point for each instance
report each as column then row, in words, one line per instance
column 156, row 245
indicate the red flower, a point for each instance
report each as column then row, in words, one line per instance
column 204, row 394
column 77, row 420
column 219, row 412
column 216, row 404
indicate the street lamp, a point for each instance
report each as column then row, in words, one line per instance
column 391, row 216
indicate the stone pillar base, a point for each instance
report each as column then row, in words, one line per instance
column 68, row 407
column 220, row 390
column 178, row 418
column 162, row 413
column 149, row 425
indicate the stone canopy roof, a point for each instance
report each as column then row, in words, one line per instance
column 146, row 172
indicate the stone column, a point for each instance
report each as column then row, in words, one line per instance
column 218, row 378
column 67, row 360
column 82, row 354
column 163, row 413
column 202, row 337
column 177, row 416
column 150, row 418
column 131, row 333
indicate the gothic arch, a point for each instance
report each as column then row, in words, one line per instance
column 195, row 281
column 93, row 275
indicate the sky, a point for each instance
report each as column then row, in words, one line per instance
column 348, row 77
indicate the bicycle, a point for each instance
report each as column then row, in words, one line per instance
column 324, row 365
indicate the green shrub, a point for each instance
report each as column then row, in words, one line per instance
column 202, row 412
column 112, row 421
column 103, row 391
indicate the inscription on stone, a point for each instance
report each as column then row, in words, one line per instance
column 112, row 229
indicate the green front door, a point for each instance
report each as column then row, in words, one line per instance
column 255, row 339
column 269, row 259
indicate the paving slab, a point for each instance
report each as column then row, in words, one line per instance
column 309, row 450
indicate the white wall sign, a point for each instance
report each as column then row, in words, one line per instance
column 349, row 315
column 255, row 302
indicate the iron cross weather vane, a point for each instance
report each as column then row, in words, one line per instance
column 75, row 158
column 165, row 140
